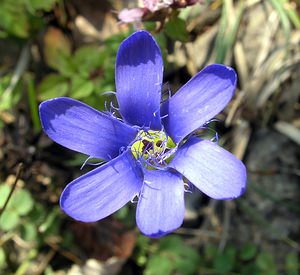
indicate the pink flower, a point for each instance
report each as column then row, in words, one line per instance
column 152, row 6
column 155, row 5
column 132, row 15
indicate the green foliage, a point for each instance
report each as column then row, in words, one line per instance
column 9, row 220
column 172, row 255
column 248, row 252
column 81, row 87
column 20, row 204
column 141, row 250
column 22, row 201
column 2, row 258
column 159, row 264
column 32, row 222
column 88, row 59
column 279, row 6
column 126, row 215
column 19, row 18
column 175, row 28
column 14, row 19
column 246, row 260
column 8, row 99
column 49, row 224
column 53, row 85
column 228, row 27
column 29, row 232
column 84, row 75
column 35, row 5
column 292, row 264
column 33, row 104
column 265, row 262
column 225, row 262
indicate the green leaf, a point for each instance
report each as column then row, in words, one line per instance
column 159, row 265
column 66, row 67
column 38, row 214
column 2, row 258
column 292, row 264
column 210, row 252
column 14, row 18
column 33, row 105
column 9, row 220
column 4, row 192
column 97, row 100
column 141, row 251
column 175, row 28
column 8, row 100
column 279, row 7
column 88, row 60
column 184, row 259
column 249, row 269
column 53, row 85
column 227, row 32
column 22, row 202
column 173, row 243
column 122, row 213
column 81, row 88
column 29, row 232
column 225, row 262
column 292, row 13
column 222, row 264
column 51, row 224
column 265, row 262
column 248, row 252
column 150, row 26
column 35, row 5
column 188, row 261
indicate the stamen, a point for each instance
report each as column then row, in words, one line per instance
column 135, row 198
column 153, row 149
column 188, row 186
column 215, row 138
column 113, row 107
column 85, row 162
column 109, row 93
column 91, row 163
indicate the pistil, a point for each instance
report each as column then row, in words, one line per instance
column 153, row 148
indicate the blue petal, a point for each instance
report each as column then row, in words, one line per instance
column 160, row 207
column 81, row 128
column 139, row 73
column 198, row 101
column 104, row 190
column 213, row 170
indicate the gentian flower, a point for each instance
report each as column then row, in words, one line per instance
column 153, row 151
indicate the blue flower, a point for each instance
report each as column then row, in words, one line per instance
column 152, row 152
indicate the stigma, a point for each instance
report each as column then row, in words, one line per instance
column 154, row 149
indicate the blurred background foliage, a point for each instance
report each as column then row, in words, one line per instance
column 52, row 48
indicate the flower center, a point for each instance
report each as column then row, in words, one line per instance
column 153, row 148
